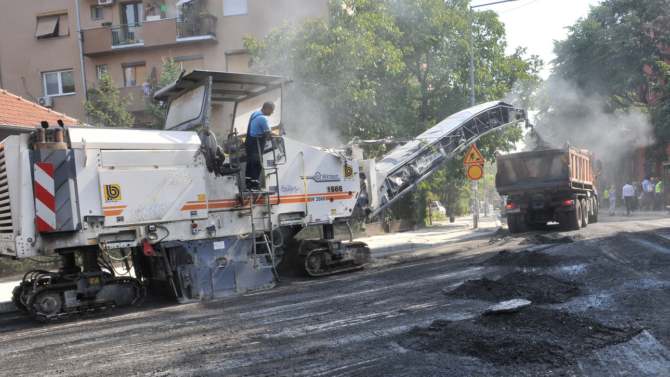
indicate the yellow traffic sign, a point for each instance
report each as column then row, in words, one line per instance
column 475, row 172
column 474, row 156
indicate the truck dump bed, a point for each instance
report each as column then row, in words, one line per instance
column 551, row 169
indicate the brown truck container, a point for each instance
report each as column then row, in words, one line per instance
column 548, row 185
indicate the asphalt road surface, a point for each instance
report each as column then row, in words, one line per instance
column 601, row 303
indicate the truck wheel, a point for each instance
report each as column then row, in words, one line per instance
column 512, row 224
column 585, row 213
column 573, row 219
column 516, row 224
column 593, row 215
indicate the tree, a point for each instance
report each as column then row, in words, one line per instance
column 393, row 68
column 606, row 52
column 170, row 71
column 105, row 107
column 613, row 63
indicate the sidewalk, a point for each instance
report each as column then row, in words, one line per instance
column 440, row 233
column 6, row 296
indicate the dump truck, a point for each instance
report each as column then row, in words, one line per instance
column 551, row 185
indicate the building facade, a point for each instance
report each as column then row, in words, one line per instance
column 52, row 50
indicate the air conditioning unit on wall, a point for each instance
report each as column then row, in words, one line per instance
column 105, row 2
column 46, row 101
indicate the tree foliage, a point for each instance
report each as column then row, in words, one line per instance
column 393, row 68
column 105, row 106
column 170, row 71
column 617, row 53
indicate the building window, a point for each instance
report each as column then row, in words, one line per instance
column 58, row 83
column 132, row 13
column 97, row 12
column 134, row 74
column 234, row 7
column 52, row 26
column 101, row 70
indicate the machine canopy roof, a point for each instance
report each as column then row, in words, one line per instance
column 226, row 86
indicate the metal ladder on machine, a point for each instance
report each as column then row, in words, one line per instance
column 261, row 239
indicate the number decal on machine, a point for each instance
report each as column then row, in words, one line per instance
column 335, row 189
column 112, row 192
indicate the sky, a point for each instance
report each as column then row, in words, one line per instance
column 535, row 24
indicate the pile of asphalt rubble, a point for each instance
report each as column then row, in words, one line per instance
column 526, row 331
column 540, row 289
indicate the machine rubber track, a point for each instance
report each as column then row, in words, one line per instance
column 321, row 261
column 51, row 297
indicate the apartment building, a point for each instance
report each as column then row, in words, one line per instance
column 51, row 50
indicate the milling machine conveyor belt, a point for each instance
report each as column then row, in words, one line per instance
column 406, row 166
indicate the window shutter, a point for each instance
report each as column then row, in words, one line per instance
column 47, row 26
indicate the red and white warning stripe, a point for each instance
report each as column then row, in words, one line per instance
column 45, row 197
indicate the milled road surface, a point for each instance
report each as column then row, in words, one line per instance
column 381, row 321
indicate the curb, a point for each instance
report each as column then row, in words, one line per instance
column 7, row 307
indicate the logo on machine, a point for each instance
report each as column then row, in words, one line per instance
column 289, row 189
column 112, row 192
column 348, row 171
column 320, row 177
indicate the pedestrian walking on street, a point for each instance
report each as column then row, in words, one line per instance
column 628, row 195
column 612, row 200
column 648, row 189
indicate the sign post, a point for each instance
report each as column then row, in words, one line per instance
column 474, row 164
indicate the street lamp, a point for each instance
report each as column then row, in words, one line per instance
column 475, row 184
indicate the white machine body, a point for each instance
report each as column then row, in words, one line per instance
column 127, row 179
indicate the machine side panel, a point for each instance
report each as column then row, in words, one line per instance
column 223, row 192
column 17, row 233
column 160, row 158
column 88, row 188
column 65, row 208
column 145, row 195
column 321, row 183
column 131, row 139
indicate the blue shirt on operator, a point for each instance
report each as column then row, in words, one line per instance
column 259, row 124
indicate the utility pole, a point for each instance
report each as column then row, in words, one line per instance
column 473, row 100
column 80, row 43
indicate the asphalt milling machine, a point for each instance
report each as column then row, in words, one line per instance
column 169, row 207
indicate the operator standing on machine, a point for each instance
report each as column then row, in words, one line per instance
column 258, row 132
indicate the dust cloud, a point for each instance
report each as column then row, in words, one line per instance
column 568, row 116
column 304, row 116
column 306, row 119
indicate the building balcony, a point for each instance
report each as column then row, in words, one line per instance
column 164, row 32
